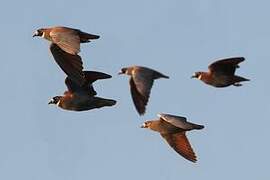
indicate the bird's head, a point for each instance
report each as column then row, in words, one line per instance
column 127, row 70
column 55, row 100
column 123, row 71
column 197, row 75
column 146, row 124
column 38, row 32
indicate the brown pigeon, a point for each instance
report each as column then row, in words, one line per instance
column 173, row 129
column 221, row 73
column 82, row 98
column 65, row 48
column 141, row 82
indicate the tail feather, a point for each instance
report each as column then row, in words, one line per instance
column 92, row 76
column 160, row 75
column 239, row 79
column 197, row 126
column 85, row 37
column 101, row 102
column 110, row 102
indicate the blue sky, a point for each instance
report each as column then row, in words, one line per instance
column 40, row 142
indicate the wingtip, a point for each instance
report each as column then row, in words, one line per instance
column 242, row 59
column 193, row 160
column 141, row 113
column 239, row 57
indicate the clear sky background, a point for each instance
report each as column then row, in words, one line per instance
column 177, row 38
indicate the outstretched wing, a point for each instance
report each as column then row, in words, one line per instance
column 71, row 64
column 139, row 101
column 180, row 122
column 226, row 66
column 67, row 39
column 181, row 145
column 143, row 80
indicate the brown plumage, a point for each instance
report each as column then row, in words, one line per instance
column 141, row 82
column 222, row 73
column 82, row 98
column 65, row 48
column 173, row 130
column 66, row 38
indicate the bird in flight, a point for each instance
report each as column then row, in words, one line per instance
column 222, row 73
column 82, row 98
column 173, row 129
column 65, row 47
column 141, row 82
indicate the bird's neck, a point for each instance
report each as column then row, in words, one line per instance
column 205, row 76
column 155, row 126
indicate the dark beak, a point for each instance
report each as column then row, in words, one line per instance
column 120, row 72
column 50, row 102
column 35, row 34
column 193, row 76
